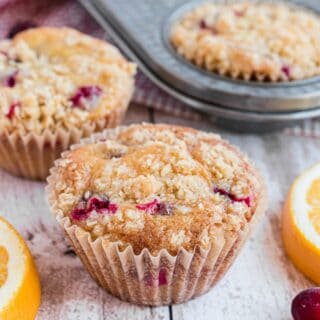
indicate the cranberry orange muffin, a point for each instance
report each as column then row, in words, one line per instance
column 264, row 41
column 157, row 213
column 57, row 85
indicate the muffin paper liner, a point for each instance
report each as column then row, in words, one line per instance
column 153, row 280
column 32, row 155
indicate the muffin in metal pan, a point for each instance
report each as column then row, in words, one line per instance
column 263, row 41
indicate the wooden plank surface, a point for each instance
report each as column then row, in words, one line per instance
column 260, row 284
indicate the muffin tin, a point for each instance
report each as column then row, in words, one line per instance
column 141, row 29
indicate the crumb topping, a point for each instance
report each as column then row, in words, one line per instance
column 60, row 78
column 157, row 186
column 251, row 40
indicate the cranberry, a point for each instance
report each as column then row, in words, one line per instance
column 306, row 305
column 97, row 204
column 20, row 26
column 11, row 80
column 162, row 277
column 239, row 13
column 232, row 197
column 100, row 205
column 246, row 200
column 160, row 280
column 150, row 206
column 79, row 214
column 156, row 207
column 286, row 70
column 12, row 110
column 203, row 25
column 112, row 208
column 84, row 94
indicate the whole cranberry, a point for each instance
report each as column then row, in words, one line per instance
column 306, row 305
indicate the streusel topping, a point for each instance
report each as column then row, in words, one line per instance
column 59, row 78
column 157, row 187
column 251, row 40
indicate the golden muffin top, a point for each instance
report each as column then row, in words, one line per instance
column 264, row 41
column 156, row 187
column 60, row 78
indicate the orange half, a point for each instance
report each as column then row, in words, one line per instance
column 301, row 223
column 19, row 280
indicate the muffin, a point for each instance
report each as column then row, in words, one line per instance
column 57, row 86
column 263, row 41
column 157, row 213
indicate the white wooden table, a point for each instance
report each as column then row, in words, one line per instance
column 259, row 286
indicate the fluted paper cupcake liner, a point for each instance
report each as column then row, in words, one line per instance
column 146, row 279
column 32, row 155
column 154, row 280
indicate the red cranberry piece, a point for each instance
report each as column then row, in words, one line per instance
column 101, row 205
column 98, row 204
column 239, row 13
column 150, row 206
column 84, row 94
column 112, row 208
column 80, row 212
column 221, row 191
column 12, row 110
column 11, row 80
column 232, row 197
column 286, row 70
column 162, row 277
column 20, row 26
column 306, row 305
column 203, row 25
column 160, row 280
column 246, row 200
column 156, row 207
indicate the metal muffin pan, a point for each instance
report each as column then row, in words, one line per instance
column 141, row 29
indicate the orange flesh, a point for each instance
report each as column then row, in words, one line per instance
column 313, row 199
column 4, row 258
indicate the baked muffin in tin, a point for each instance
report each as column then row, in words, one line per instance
column 251, row 40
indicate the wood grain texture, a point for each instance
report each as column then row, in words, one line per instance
column 260, row 284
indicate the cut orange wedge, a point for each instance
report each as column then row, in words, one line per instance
column 301, row 223
column 19, row 281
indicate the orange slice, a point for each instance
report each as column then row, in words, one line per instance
column 301, row 223
column 19, row 281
